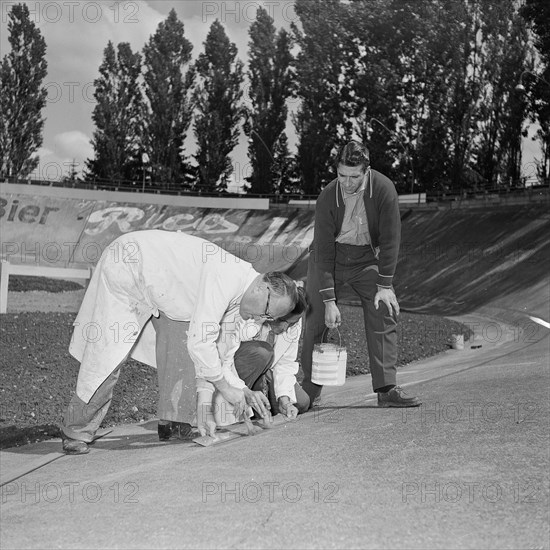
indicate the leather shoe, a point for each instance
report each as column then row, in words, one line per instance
column 314, row 402
column 164, row 431
column 75, row 446
column 396, row 397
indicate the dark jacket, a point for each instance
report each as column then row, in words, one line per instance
column 384, row 221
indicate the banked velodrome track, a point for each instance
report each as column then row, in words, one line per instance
column 452, row 261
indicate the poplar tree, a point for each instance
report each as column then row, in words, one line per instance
column 271, row 84
column 117, row 139
column 218, row 108
column 22, row 95
column 168, row 83
column 319, row 122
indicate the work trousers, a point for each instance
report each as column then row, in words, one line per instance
column 176, row 378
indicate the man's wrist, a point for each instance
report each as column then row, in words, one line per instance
column 221, row 384
column 284, row 403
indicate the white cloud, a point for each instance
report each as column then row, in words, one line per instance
column 43, row 152
column 66, row 148
column 73, row 144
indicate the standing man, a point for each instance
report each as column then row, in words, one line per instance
column 143, row 274
column 356, row 241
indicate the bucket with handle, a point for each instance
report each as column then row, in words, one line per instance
column 329, row 361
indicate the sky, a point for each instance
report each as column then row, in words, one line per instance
column 76, row 34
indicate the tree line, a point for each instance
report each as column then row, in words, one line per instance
column 441, row 91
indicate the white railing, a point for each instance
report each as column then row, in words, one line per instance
column 7, row 269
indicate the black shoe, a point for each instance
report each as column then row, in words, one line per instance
column 74, row 446
column 396, row 398
column 164, row 430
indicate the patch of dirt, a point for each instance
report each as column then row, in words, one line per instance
column 67, row 301
column 25, row 283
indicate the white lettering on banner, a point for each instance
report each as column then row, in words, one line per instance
column 216, row 223
column 210, row 224
column 273, row 230
column 122, row 216
column 153, row 222
column 304, row 239
column 180, row 222
column 290, row 231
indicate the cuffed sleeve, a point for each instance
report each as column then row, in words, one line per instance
column 324, row 246
column 328, row 294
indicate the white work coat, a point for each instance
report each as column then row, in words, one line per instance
column 142, row 273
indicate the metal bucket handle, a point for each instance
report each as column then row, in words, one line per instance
column 339, row 339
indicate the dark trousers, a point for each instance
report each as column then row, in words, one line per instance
column 355, row 266
column 253, row 362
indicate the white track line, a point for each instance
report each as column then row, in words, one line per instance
column 539, row 321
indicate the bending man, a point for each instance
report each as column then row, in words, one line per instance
column 188, row 279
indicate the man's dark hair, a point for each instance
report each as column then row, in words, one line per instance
column 353, row 154
column 301, row 307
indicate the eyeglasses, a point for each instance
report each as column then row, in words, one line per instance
column 266, row 315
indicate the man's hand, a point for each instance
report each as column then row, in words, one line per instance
column 205, row 414
column 235, row 396
column 333, row 319
column 287, row 408
column 387, row 295
column 258, row 401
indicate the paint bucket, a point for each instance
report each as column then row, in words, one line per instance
column 328, row 367
column 457, row 341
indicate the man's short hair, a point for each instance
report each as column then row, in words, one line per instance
column 353, row 154
column 301, row 307
column 282, row 285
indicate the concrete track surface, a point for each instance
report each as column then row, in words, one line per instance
column 467, row 469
